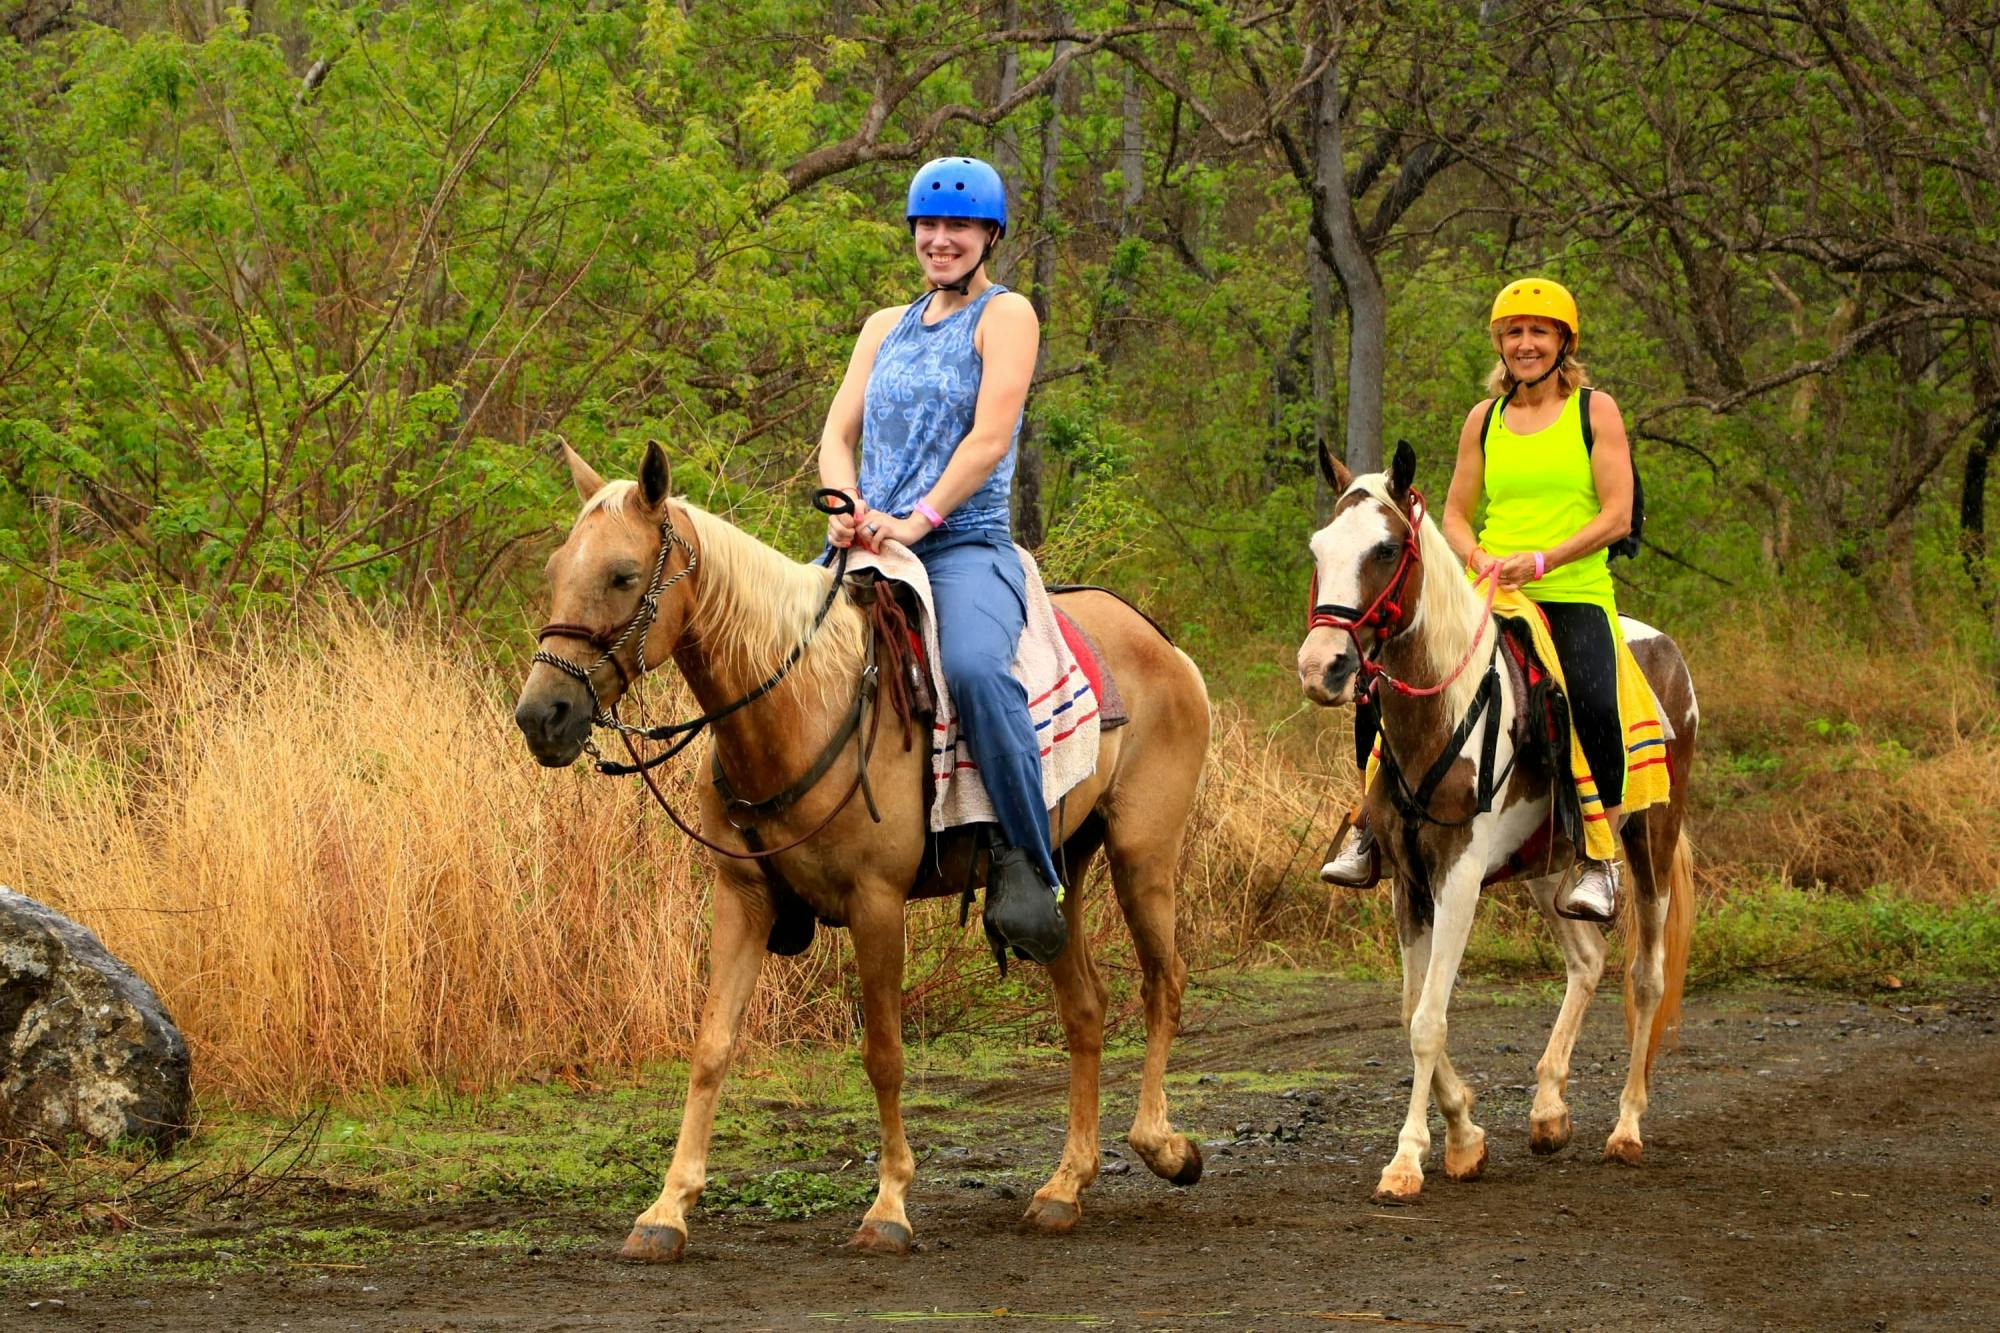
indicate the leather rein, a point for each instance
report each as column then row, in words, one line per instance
column 610, row 642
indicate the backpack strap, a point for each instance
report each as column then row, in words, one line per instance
column 1583, row 407
column 1486, row 426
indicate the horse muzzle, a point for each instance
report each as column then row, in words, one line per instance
column 554, row 721
column 1328, row 677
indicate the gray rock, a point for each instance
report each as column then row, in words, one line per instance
column 86, row 1048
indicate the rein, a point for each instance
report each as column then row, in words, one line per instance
column 610, row 642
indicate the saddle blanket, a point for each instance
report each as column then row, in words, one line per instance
column 1062, row 703
column 1647, row 778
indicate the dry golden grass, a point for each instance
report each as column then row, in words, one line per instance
column 334, row 859
column 340, row 869
column 1852, row 765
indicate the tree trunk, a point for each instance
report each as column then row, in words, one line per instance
column 1028, row 468
column 1323, row 415
column 1354, row 266
column 1007, row 140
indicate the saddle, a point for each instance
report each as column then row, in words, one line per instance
column 903, row 685
column 1542, row 740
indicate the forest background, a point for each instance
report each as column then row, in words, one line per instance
column 296, row 296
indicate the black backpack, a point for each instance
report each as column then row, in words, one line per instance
column 1628, row 545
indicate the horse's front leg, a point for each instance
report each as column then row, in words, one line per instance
column 1583, row 965
column 736, row 958
column 875, row 924
column 1080, row 998
column 1431, row 957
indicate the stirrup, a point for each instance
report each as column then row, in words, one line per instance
column 1594, row 895
column 1359, row 864
column 1022, row 913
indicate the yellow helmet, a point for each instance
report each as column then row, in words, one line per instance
column 1538, row 296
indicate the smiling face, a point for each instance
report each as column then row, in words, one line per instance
column 1529, row 344
column 950, row 248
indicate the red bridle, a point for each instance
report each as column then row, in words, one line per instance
column 1385, row 614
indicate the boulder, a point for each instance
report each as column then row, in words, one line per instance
column 86, row 1048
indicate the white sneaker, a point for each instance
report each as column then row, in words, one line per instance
column 1359, row 864
column 1594, row 896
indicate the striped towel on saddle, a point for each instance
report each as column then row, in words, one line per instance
column 1647, row 781
column 1061, row 702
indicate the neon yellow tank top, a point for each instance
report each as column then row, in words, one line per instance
column 1539, row 491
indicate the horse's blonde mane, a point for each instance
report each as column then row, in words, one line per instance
column 1449, row 610
column 754, row 604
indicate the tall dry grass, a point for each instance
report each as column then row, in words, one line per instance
column 333, row 857
column 335, row 861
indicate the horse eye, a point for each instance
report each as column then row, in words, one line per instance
column 625, row 580
column 1384, row 552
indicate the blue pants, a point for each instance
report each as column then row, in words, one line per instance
column 980, row 592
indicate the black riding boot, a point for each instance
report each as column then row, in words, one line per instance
column 1022, row 912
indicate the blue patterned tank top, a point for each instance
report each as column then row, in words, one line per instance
column 922, row 392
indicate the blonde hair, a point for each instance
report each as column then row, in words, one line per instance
column 1500, row 381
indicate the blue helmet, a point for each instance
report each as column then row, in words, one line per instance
column 957, row 187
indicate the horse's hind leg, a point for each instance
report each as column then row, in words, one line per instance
column 875, row 923
column 1583, row 965
column 1080, row 999
column 1431, row 957
column 736, row 957
column 1144, row 863
column 1646, row 971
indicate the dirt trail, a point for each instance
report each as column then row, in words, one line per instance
column 1812, row 1162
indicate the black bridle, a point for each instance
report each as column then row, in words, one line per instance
column 610, row 642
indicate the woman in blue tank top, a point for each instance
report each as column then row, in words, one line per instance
column 933, row 398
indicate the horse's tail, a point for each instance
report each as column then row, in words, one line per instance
column 1679, row 943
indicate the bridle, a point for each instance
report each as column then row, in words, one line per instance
column 1387, row 614
column 610, row 642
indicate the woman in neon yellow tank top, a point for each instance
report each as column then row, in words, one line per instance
column 1552, row 507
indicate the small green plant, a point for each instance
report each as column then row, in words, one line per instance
column 788, row 1194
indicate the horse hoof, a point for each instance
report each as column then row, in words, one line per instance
column 1625, row 1152
column 654, row 1245
column 1190, row 1170
column 881, row 1238
column 1468, row 1165
column 1053, row 1217
column 1551, row 1137
column 1399, row 1187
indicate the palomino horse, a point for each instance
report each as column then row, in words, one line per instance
column 1424, row 622
column 728, row 614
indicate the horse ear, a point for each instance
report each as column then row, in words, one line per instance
column 1335, row 472
column 1403, row 471
column 588, row 483
column 654, row 475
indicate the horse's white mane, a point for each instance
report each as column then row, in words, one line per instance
column 1449, row 611
column 755, row 604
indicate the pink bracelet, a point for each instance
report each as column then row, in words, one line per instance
column 1541, row 567
column 936, row 519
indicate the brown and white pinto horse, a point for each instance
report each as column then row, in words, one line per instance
column 1428, row 626
column 728, row 610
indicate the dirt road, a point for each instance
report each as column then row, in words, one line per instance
column 1812, row 1162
